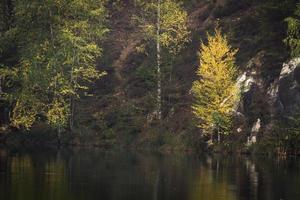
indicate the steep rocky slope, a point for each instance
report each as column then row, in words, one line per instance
column 119, row 107
column 123, row 102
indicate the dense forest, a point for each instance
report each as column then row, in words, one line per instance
column 219, row 75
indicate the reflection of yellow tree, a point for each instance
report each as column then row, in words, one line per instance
column 208, row 188
column 28, row 182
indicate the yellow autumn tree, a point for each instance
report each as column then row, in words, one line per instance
column 215, row 92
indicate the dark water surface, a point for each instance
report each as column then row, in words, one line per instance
column 94, row 174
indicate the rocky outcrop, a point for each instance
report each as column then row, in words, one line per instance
column 254, row 105
column 267, row 102
column 288, row 94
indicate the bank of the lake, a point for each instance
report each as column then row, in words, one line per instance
column 162, row 142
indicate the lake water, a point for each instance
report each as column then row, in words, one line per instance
column 93, row 174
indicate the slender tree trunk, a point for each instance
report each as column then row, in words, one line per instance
column 218, row 168
column 72, row 100
column 170, row 81
column 59, row 133
column 219, row 136
column 158, row 55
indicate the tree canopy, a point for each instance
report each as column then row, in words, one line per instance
column 216, row 92
column 293, row 32
column 57, row 44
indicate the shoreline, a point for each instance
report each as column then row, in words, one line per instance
column 20, row 140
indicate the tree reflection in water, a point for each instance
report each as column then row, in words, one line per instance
column 84, row 174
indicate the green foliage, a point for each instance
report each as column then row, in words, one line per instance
column 284, row 139
column 288, row 135
column 222, row 122
column 165, row 24
column 216, row 92
column 146, row 76
column 293, row 33
column 126, row 121
column 58, row 113
column 26, row 110
column 57, row 43
column 273, row 17
column 174, row 33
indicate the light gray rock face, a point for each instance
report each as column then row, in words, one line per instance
column 245, row 82
column 254, row 131
column 254, row 102
column 288, row 94
column 269, row 90
column 269, row 102
column 256, row 127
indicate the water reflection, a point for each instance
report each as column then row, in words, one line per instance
column 212, row 183
column 93, row 174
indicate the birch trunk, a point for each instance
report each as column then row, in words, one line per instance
column 72, row 98
column 219, row 135
column 158, row 52
column 59, row 134
column 170, row 81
